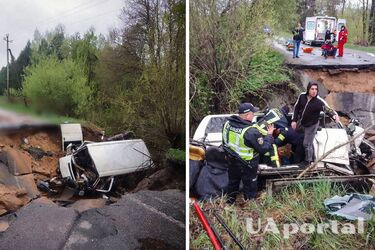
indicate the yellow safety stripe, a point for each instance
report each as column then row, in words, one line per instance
column 236, row 142
column 276, row 156
column 261, row 130
column 281, row 137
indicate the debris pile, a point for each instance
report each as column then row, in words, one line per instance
column 29, row 160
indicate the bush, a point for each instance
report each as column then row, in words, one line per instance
column 175, row 154
column 57, row 86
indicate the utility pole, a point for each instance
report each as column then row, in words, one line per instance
column 6, row 38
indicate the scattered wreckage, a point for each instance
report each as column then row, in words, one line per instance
column 346, row 163
column 93, row 166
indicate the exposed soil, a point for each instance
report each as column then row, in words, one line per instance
column 12, row 198
column 28, row 156
column 353, row 81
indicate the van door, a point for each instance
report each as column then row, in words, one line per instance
column 310, row 26
column 328, row 138
column 340, row 22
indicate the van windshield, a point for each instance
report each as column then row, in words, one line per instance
column 215, row 125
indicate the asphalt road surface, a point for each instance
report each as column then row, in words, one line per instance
column 352, row 58
column 12, row 119
column 144, row 220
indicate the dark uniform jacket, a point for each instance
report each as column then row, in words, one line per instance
column 252, row 138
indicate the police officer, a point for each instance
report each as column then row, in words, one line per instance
column 244, row 141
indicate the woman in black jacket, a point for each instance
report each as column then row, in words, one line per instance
column 307, row 110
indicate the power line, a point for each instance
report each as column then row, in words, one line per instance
column 93, row 17
column 70, row 12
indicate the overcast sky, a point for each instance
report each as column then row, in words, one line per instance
column 20, row 18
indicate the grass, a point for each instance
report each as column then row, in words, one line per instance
column 22, row 109
column 266, row 68
column 370, row 49
column 176, row 154
column 301, row 203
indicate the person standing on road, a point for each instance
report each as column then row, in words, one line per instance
column 327, row 36
column 244, row 141
column 343, row 38
column 297, row 38
column 306, row 112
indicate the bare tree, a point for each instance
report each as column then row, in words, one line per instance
column 343, row 7
column 364, row 4
column 371, row 27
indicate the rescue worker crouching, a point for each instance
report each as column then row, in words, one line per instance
column 243, row 143
column 287, row 135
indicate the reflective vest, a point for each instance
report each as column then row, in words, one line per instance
column 235, row 140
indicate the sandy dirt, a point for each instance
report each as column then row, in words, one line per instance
column 17, row 144
column 12, row 198
column 362, row 81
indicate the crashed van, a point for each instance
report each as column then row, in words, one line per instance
column 94, row 166
column 347, row 161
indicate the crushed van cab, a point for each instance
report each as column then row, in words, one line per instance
column 93, row 165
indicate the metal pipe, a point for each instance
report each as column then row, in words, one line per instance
column 206, row 226
column 218, row 217
column 214, row 231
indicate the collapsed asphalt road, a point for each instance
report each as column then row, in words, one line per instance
column 347, row 83
column 10, row 119
column 144, row 220
column 352, row 58
column 129, row 217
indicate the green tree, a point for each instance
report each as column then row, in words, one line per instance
column 16, row 69
column 57, row 86
column 141, row 73
column 226, row 36
column 85, row 51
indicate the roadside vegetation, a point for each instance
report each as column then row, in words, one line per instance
column 132, row 79
column 370, row 49
column 230, row 58
column 231, row 62
column 302, row 203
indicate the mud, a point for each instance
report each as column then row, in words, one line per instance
column 351, row 92
column 341, row 81
column 25, row 168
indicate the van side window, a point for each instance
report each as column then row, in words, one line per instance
column 310, row 25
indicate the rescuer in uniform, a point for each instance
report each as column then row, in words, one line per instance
column 244, row 141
